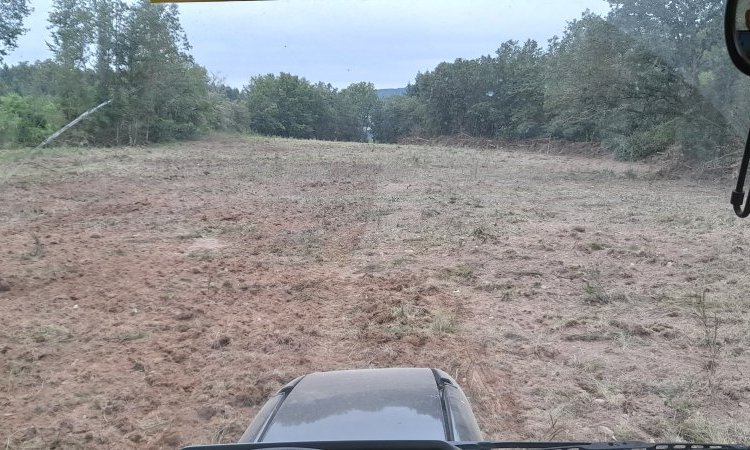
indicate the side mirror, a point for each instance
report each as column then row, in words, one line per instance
column 737, row 36
column 737, row 33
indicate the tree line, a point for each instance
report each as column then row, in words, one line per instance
column 648, row 77
column 138, row 56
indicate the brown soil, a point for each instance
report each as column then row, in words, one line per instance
column 154, row 297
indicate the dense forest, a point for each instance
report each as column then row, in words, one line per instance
column 649, row 77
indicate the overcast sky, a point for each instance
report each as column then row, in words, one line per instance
column 345, row 41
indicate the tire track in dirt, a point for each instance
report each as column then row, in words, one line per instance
column 459, row 352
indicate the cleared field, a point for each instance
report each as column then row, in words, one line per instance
column 153, row 297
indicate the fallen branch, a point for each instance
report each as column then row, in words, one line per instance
column 72, row 124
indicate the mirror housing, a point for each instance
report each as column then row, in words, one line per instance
column 737, row 33
column 737, row 36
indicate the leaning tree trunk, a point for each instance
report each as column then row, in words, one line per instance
column 72, row 124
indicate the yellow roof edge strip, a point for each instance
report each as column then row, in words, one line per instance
column 200, row 1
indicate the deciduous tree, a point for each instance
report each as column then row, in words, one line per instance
column 12, row 14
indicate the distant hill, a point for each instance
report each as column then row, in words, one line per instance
column 385, row 93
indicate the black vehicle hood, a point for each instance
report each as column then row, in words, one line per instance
column 360, row 404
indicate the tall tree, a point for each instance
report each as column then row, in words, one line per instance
column 70, row 24
column 71, row 31
column 682, row 32
column 687, row 35
column 362, row 99
column 12, row 14
column 450, row 90
column 399, row 116
column 136, row 55
column 604, row 86
column 30, row 79
column 109, row 19
column 162, row 94
column 284, row 105
column 488, row 96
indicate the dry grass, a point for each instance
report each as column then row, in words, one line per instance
column 158, row 295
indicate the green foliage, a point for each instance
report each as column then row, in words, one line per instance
column 603, row 86
column 337, row 117
column 136, row 55
column 228, row 113
column 679, row 32
column 290, row 106
column 70, row 22
column 650, row 77
column 598, row 82
column 483, row 119
column 160, row 93
column 450, row 90
column 398, row 116
column 12, row 14
column 281, row 105
column 27, row 121
column 522, row 70
column 702, row 133
column 488, row 96
column 595, row 83
column 361, row 99
column 688, row 36
column 642, row 144
column 37, row 79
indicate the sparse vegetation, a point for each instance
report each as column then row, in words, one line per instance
column 50, row 334
column 462, row 273
column 594, row 290
column 444, row 322
column 215, row 301
column 709, row 322
column 126, row 335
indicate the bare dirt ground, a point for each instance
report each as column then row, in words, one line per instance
column 153, row 297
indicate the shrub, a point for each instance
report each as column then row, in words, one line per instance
column 643, row 144
column 27, row 121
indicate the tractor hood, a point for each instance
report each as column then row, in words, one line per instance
column 372, row 404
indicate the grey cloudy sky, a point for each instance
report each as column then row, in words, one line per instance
column 345, row 41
